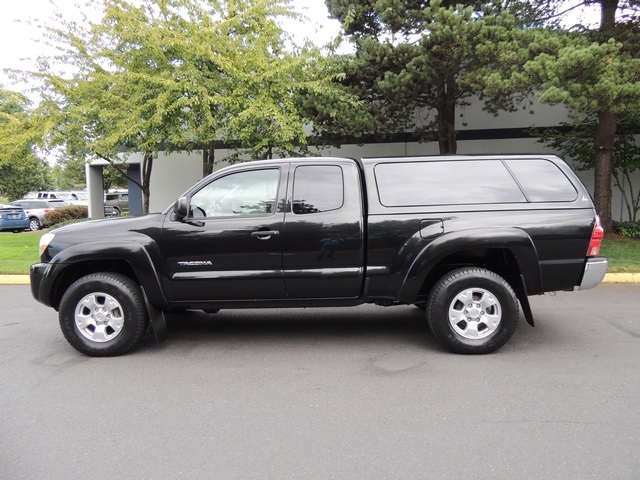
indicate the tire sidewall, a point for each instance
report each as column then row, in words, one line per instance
column 126, row 292
column 449, row 287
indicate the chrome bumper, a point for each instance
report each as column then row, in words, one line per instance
column 594, row 272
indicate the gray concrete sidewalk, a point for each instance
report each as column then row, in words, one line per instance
column 609, row 278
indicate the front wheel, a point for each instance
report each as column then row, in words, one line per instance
column 472, row 310
column 103, row 314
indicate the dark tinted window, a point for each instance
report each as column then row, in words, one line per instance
column 543, row 181
column 317, row 188
column 446, row 183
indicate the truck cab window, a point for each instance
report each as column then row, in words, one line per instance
column 317, row 188
column 244, row 193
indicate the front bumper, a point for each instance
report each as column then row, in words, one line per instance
column 594, row 272
column 41, row 282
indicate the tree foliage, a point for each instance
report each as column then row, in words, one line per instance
column 166, row 75
column 416, row 62
column 595, row 73
column 21, row 169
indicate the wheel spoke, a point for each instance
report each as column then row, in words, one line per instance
column 466, row 297
column 491, row 321
column 471, row 330
column 84, row 321
column 100, row 335
column 116, row 324
column 90, row 302
column 111, row 305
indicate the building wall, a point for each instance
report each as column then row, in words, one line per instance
column 479, row 132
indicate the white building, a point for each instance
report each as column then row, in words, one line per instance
column 478, row 132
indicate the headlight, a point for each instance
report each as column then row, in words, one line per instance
column 45, row 240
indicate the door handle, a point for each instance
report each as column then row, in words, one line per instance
column 264, row 234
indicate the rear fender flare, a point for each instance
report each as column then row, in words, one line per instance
column 513, row 239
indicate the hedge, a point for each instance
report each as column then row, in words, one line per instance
column 64, row 214
column 628, row 229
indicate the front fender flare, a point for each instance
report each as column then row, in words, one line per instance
column 133, row 253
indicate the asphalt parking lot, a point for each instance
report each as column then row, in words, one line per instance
column 362, row 392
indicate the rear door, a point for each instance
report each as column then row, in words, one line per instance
column 323, row 245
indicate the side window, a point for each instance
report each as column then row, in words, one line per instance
column 543, row 181
column 244, row 193
column 317, row 188
column 446, row 183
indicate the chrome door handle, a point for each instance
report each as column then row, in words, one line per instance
column 264, row 234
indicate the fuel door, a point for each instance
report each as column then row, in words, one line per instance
column 431, row 228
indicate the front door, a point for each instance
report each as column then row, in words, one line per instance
column 230, row 245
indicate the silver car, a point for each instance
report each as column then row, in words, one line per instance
column 36, row 209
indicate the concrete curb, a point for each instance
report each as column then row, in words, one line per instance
column 622, row 278
column 14, row 279
column 608, row 278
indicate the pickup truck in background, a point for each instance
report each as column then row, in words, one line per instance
column 465, row 238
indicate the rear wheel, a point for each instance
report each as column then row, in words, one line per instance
column 472, row 310
column 103, row 314
column 34, row 224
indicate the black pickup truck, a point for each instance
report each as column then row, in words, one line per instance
column 465, row 238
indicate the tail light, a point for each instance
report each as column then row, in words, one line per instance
column 596, row 239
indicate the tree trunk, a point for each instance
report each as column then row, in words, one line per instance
column 605, row 135
column 608, row 10
column 208, row 159
column 447, row 119
column 147, row 165
column 603, row 145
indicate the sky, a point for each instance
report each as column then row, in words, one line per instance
column 18, row 39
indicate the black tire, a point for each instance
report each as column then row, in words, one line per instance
column 34, row 224
column 472, row 311
column 103, row 314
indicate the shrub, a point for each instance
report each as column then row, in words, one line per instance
column 627, row 229
column 64, row 214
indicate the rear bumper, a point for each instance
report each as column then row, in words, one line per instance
column 594, row 272
column 11, row 224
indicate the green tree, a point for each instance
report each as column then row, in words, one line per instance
column 416, row 62
column 21, row 170
column 174, row 74
column 595, row 73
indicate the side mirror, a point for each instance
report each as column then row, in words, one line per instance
column 181, row 208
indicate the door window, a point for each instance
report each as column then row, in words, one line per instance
column 244, row 193
column 317, row 188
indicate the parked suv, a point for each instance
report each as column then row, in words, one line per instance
column 118, row 200
column 36, row 209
